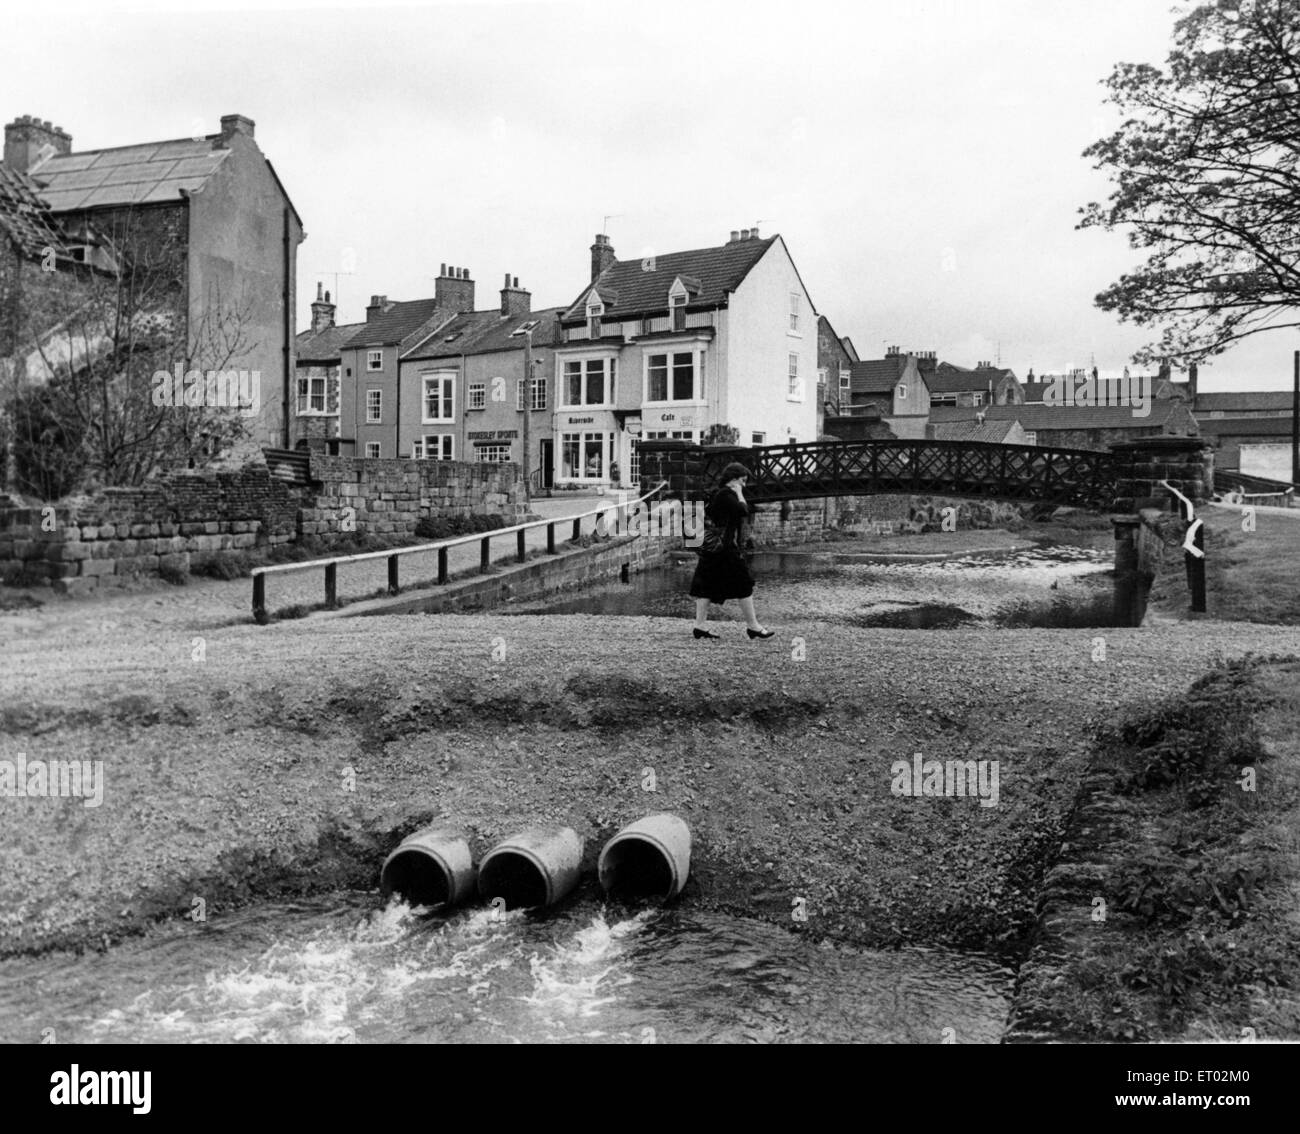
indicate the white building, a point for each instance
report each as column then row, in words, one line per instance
column 665, row 347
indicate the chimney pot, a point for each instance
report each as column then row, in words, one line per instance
column 602, row 255
column 735, row 235
column 232, row 124
column 507, row 283
column 753, row 234
column 744, row 234
column 28, row 140
column 442, row 269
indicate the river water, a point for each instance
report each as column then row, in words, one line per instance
column 339, row 969
column 1058, row 586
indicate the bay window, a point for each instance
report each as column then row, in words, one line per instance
column 588, row 381
column 672, row 377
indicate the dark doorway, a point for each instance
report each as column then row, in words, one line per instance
column 548, row 463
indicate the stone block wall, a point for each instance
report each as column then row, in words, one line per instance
column 1186, row 463
column 87, row 543
column 390, row 497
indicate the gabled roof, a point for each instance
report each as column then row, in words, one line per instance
column 127, row 175
column 483, row 332
column 397, row 322
column 972, row 430
column 877, row 375
column 1237, row 400
column 950, row 379
column 326, row 345
column 629, row 289
column 25, row 217
column 1039, row 417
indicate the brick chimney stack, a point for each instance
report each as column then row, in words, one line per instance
column 515, row 300
column 29, row 141
column 232, row 124
column 376, row 307
column 602, row 255
column 454, row 290
column 1191, row 381
column 322, row 312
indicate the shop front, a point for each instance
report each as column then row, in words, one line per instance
column 585, row 450
column 495, row 445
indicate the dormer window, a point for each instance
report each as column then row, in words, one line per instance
column 677, row 305
column 594, row 312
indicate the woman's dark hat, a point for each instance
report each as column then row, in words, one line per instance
column 732, row 471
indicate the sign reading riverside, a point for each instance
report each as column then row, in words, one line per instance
column 1126, row 391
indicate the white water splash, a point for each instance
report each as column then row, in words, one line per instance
column 580, row 976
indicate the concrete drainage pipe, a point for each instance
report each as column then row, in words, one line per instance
column 432, row 867
column 650, row 858
column 536, row 867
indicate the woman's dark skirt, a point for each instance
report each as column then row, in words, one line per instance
column 722, row 576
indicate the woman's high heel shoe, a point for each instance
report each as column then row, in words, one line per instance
column 759, row 633
column 705, row 633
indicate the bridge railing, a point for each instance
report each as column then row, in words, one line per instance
column 832, row 468
column 330, row 564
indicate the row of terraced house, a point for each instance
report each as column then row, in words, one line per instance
column 668, row 347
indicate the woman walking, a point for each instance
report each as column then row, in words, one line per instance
column 722, row 572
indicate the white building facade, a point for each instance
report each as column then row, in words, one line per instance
column 666, row 347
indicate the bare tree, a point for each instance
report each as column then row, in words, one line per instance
column 109, row 339
column 1206, row 180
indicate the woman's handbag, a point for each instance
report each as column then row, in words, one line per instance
column 712, row 542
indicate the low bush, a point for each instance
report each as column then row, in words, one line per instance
column 449, row 527
column 226, row 565
column 173, row 575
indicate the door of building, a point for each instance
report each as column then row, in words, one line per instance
column 547, row 448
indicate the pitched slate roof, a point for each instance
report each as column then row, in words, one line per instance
column 25, row 218
column 877, row 375
column 950, row 379
column 127, row 175
column 973, row 430
column 1238, row 400
column 399, row 322
column 1245, row 426
column 628, row 289
column 1039, row 417
column 483, row 332
column 326, row 345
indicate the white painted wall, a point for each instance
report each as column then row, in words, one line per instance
column 755, row 342
column 1271, row 461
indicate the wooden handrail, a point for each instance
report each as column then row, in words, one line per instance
column 330, row 563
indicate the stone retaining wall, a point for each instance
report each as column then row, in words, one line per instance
column 118, row 534
column 570, row 569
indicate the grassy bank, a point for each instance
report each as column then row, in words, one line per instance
column 1172, row 915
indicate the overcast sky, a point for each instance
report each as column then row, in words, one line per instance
column 921, row 159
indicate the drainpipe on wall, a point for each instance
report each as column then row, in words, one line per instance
column 397, row 381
